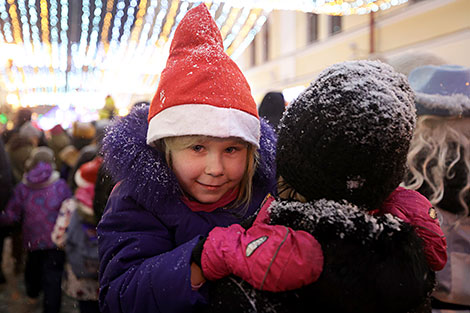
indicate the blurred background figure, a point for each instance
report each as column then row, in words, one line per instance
column 22, row 116
column 58, row 140
column 35, row 204
column 84, row 139
column 439, row 168
column 6, row 187
column 19, row 147
column 69, row 157
column 272, row 107
column 75, row 231
column 406, row 62
column 109, row 109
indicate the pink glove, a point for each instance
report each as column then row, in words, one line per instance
column 413, row 208
column 269, row 257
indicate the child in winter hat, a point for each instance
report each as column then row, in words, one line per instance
column 35, row 204
column 341, row 154
column 190, row 168
column 75, row 232
column 439, row 168
column 40, row 154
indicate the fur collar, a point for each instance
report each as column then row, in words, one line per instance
column 143, row 171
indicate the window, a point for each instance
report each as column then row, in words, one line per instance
column 312, row 27
column 335, row 25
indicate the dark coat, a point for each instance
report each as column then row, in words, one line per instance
column 147, row 233
column 6, row 177
column 371, row 264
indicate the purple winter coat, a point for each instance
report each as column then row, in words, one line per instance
column 36, row 202
column 147, row 233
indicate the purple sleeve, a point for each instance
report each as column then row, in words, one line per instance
column 141, row 270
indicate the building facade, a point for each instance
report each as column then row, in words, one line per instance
column 293, row 47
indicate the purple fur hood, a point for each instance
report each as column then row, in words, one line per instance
column 143, row 171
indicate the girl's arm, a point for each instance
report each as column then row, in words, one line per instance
column 140, row 268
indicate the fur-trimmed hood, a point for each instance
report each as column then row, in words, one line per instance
column 142, row 170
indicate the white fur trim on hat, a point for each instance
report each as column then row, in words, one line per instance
column 80, row 181
column 204, row 120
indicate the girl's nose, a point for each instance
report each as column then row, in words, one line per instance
column 214, row 165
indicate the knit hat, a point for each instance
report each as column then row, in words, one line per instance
column 441, row 90
column 201, row 90
column 40, row 154
column 347, row 135
column 87, row 173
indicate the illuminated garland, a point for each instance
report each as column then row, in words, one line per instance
column 332, row 7
column 124, row 51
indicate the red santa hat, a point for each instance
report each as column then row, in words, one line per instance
column 201, row 90
column 87, row 174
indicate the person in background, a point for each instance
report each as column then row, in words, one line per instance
column 35, row 204
column 272, row 107
column 194, row 164
column 439, row 168
column 58, row 140
column 84, row 140
column 22, row 116
column 69, row 157
column 19, row 148
column 6, row 188
column 406, row 62
column 109, row 110
column 80, row 282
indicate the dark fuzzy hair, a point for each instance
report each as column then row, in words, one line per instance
column 347, row 135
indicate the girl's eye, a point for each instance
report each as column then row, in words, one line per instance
column 197, row 148
column 231, row 149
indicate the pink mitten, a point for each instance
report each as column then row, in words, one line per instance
column 269, row 257
column 413, row 208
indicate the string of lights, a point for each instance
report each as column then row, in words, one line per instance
column 51, row 49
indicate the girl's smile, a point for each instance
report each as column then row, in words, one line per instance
column 209, row 168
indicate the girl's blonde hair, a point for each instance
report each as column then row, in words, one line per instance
column 438, row 144
column 169, row 144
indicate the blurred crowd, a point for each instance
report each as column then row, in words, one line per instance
column 53, row 181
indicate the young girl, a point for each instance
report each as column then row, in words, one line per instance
column 202, row 164
column 36, row 203
column 439, row 168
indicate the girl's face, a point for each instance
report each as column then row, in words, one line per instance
column 210, row 167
